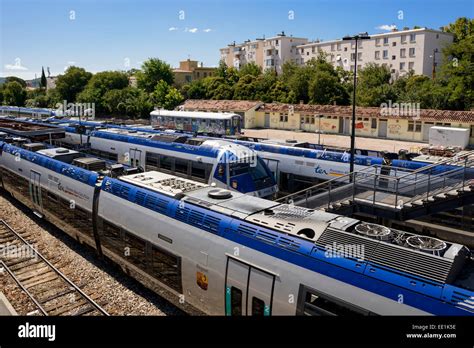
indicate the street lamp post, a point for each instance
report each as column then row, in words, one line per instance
column 362, row 36
column 319, row 129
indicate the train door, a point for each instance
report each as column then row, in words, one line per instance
column 35, row 191
column 249, row 290
column 135, row 157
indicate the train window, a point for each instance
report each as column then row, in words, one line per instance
column 181, row 166
column 166, row 162
column 314, row 303
column 258, row 307
column 152, row 160
column 136, row 250
column 200, row 170
column 112, row 238
column 236, row 301
column 166, row 267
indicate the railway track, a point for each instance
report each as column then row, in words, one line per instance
column 48, row 288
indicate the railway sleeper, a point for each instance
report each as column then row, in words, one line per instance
column 27, row 274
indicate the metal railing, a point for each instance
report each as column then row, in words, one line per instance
column 392, row 187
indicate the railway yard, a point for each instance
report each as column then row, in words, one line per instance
column 114, row 291
column 128, row 220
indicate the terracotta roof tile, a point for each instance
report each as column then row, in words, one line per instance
column 329, row 110
column 220, row 105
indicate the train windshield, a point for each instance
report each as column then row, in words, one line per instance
column 257, row 171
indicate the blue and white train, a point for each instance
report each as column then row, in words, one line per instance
column 216, row 162
column 226, row 253
column 294, row 167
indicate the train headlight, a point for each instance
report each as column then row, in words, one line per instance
column 220, row 170
column 234, row 184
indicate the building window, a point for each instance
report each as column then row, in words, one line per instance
column 345, row 49
column 394, row 57
column 385, row 40
column 403, row 39
column 394, row 43
column 338, row 46
column 385, row 54
column 412, row 37
column 313, row 49
column 377, row 54
column 373, row 123
column 283, row 118
column 269, row 62
column 402, row 53
column 353, row 55
column 377, row 42
column 414, row 126
column 276, row 43
column 402, row 66
column 333, row 47
column 411, row 52
column 411, row 65
column 359, row 56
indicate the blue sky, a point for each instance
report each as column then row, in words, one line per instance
column 118, row 34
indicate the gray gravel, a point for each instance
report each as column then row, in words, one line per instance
column 118, row 293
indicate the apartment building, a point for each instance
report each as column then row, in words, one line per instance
column 416, row 49
column 419, row 50
column 269, row 53
column 190, row 70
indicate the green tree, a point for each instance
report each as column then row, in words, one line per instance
column 71, row 83
column 99, row 84
column 373, row 85
column 43, row 81
column 14, row 94
column 250, row 69
column 17, row 79
column 457, row 69
column 153, row 71
column 246, row 88
column 130, row 102
column 217, row 88
column 264, row 84
column 194, row 90
column 326, row 88
column 166, row 97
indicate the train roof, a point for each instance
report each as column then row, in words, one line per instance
column 195, row 114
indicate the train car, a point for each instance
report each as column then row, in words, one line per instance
column 213, row 161
column 294, row 168
column 214, row 123
column 219, row 252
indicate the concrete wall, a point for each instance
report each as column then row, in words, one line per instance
column 397, row 129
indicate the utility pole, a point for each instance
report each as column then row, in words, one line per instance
column 362, row 36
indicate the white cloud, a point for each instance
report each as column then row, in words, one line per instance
column 193, row 30
column 386, row 27
column 172, row 28
column 16, row 67
column 71, row 63
column 207, row 30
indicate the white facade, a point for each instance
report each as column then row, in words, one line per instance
column 268, row 53
column 401, row 51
